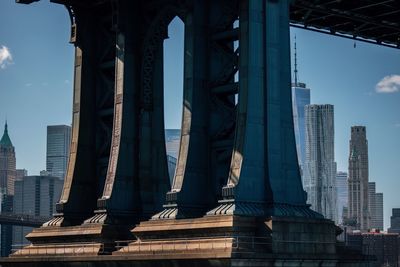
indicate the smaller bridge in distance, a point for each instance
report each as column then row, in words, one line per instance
column 9, row 218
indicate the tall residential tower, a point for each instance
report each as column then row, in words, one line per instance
column 320, row 167
column 358, row 178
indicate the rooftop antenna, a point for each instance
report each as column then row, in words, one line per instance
column 295, row 62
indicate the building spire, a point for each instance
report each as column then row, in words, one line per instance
column 5, row 141
column 295, row 62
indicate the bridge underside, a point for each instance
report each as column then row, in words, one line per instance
column 364, row 20
column 237, row 176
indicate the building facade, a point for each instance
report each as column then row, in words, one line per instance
column 342, row 194
column 358, row 178
column 375, row 207
column 395, row 221
column 34, row 195
column 378, row 218
column 171, row 167
column 7, row 163
column 319, row 177
column 6, row 206
column 20, row 173
column 300, row 99
column 172, row 142
column 384, row 246
column 58, row 144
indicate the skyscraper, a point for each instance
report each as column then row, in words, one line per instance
column 358, row 178
column 34, row 195
column 58, row 144
column 371, row 203
column 7, row 163
column 320, row 167
column 300, row 98
column 378, row 216
column 342, row 193
column 375, row 201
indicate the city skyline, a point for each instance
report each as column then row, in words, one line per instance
column 53, row 80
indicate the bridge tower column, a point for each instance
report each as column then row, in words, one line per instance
column 264, row 178
column 92, row 116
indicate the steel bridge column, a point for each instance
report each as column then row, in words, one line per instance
column 189, row 195
column 264, row 179
column 283, row 170
column 153, row 168
column 208, row 109
column 246, row 179
column 120, row 199
column 83, row 178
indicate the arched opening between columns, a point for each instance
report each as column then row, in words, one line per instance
column 173, row 90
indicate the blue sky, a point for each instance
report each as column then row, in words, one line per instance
column 36, row 63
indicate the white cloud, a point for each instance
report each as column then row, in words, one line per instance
column 389, row 84
column 5, row 57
